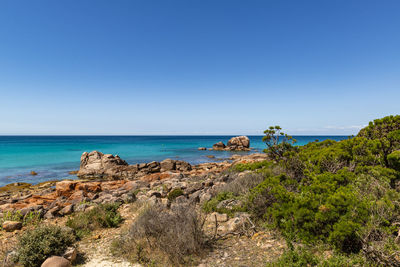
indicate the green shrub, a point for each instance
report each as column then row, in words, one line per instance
column 295, row 258
column 240, row 167
column 36, row 245
column 394, row 160
column 174, row 194
column 102, row 216
column 211, row 205
column 311, row 256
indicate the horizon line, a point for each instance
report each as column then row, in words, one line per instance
column 2, row 135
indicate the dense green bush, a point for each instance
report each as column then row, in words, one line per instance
column 36, row 245
column 341, row 193
column 394, row 160
column 102, row 216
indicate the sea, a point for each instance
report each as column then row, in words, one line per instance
column 53, row 157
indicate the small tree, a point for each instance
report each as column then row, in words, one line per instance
column 277, row 142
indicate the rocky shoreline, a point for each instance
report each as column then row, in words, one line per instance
column 105, row 178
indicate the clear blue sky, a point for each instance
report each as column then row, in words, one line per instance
column 197, row 67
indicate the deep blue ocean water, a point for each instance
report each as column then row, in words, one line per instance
column 52, row 157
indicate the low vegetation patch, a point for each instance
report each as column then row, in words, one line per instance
column 35, row 245
column 101, row 216
column 31, row 218
column 174, row 194
column 307, row 256
column 163, row 236
column 240, row 167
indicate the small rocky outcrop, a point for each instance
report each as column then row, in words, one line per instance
column 96, row 165
column 219, row 146
column 238, row 143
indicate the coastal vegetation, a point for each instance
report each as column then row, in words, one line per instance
column 342, row 196
column 101, row 216
column 37, row 244
column 162, row 237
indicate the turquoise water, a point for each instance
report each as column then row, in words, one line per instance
column 52, row 157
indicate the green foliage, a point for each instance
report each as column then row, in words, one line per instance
column 278, row 142
column 341, row 193
column 381, row 127
column 295, row 258
column 102, row 216
column 240, row 167
column 36, row 245
column 31, row 218
column 211, row 205
column 386, row 132
column 305, row 256
column 394, row 160
column 174, row 194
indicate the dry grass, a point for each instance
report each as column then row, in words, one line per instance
column 242, row 183
column 7, row 245
column 164, row 236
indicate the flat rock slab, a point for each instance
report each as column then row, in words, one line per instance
column 11, row 226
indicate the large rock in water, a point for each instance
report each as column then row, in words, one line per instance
column 239, row 143
column 106, row 166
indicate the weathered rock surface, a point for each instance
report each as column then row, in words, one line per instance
column 219, row 146
column 11, row 226
column 239, row 143
column 96, row 165
column 56, row 261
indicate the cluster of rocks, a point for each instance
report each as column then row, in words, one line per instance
column 196, row 182
column 96, row 165
column 238, row 143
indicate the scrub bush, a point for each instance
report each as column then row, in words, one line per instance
column 174, row 194
column 36, row 245
column 166, row 237
column 102, row 216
